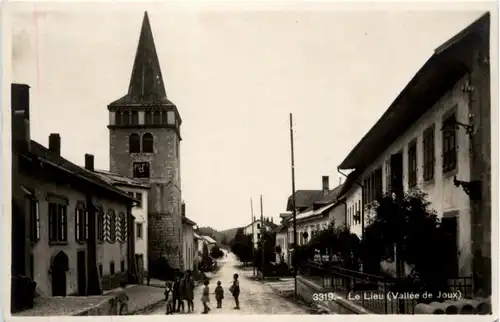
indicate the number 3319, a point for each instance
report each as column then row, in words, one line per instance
column 323, row 297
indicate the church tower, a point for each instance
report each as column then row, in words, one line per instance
column 144, row 135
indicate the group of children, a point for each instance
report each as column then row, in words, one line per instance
column 205, row 298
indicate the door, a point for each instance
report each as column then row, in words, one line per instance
column 140, row 267
column 58, row 268
column 81, row 269
column 397, row 173
column 450, row 230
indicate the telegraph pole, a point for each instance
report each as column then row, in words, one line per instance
column 293, row 207
column 262, row 241
column 253, row 242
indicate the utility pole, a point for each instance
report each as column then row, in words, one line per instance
column 293, row 207
column 262, row 241
column 253, row 241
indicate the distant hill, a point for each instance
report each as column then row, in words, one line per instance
column 220, row 236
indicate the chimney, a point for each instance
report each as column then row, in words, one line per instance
column 55, row 143
column 326, row 185
column 89, row 162
column 183, row 209
column 20, row 107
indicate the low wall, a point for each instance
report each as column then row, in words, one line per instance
column 306, row 289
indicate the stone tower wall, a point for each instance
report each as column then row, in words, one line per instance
column 164, row 198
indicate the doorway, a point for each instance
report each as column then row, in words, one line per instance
column 82, row 273
column 59, row 267
column 449, row 226
column 397, row 173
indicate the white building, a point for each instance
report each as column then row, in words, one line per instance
column 209, row 241
column 417, row 144
column 256, row 228
column 189, row 247
column 139, row 191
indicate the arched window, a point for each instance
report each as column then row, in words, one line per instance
column 148, row 118
column 147, row 143
column 134, row 118
column 157, row 117
column 134, row 142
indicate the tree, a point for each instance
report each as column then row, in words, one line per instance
column 406, row 230
column 206, row 260
column 268, row 243
column 216, row 252
column 224, row 240
column 241, row 246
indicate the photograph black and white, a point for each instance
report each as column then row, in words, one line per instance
column 186, row 158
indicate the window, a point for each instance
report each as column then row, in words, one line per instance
column 258, row 236
column 125, row 118
column 100, row 270
column 58, row 225
column 100, row 224
column 118, row 118
column 372, row 186
column 449, row 144
column 258, row 226
column 34, row 217
column 157, row 117
column 134, row 143
column 81, row 223
column 358, row 213
column 139, row 230
column 138, row 196
column 148, row 118
column 177, row 146
column 112, row 226
column 122, row 266
column 141, row 169
column 122, row 227
column 171, row 117
column 134, row 118
column 111, row 268
column 429, row 157
column 147, row 143
column 412, row 164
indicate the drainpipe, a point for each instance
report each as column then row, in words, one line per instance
column 362, row 203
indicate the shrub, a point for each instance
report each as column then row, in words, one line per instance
column 23, row 290
column 216, row 252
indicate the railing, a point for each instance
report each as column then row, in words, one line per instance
column 375, row 293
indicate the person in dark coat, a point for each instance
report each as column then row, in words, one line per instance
column 175, row 293
column 189, row 291
column 182, row 294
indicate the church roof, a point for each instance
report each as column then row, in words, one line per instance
column 146, row 82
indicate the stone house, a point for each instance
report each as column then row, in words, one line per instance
column 70, row 228
column 435, row 137
column 139, row 191
column 189, row 249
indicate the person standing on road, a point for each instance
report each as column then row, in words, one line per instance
column 219, row 295
column 235, row 290
column 189, row 290
column 175, row 293
column 168, row 298
column 182, row 294
column 122, row 299
column 205, row 298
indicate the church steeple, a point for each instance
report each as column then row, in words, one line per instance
column 146, row 82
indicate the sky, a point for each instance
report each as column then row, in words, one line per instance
column 235, row 73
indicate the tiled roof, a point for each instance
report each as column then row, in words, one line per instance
column 306, row 198
column 209, row 239
column 186, row 220
column 115, row 178
column 47, row 156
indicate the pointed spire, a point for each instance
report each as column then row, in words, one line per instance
column 146, row 82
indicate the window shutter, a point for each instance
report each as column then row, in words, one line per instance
column 37, row 221
column 63, row 224
column 388, row 176
column 86, row 214
column 77, row 225
column 51, row 222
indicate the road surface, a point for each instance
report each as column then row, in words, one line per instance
column 255, row 298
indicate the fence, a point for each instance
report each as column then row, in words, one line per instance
column 375, row 293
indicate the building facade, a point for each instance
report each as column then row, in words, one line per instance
column 139, row 191
column 70, row 228
column 144, row 127
column 256, row 227
column 190, row 248
column 435, row 137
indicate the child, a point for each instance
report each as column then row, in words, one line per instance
column 235, row 290
column 219, row 295
column 205, row 299
column 122, row 298
column 169, row 298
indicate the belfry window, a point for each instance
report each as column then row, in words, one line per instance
column 157, row 117
column 147, row 143
column 134, row 143
column 134, row 120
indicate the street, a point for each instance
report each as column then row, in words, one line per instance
column 255, row 297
